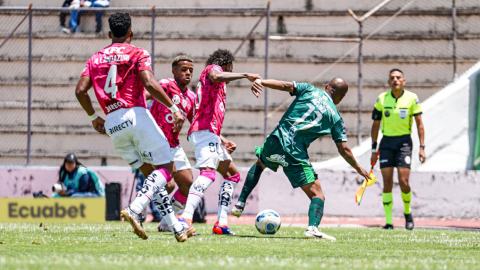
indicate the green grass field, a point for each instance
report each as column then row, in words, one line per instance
column 113, row 246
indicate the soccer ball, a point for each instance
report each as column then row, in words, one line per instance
column 268, row 222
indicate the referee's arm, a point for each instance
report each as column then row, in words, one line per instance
column 421, row 137
column 377, row 117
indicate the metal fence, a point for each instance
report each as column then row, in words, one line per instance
column 41, row 65
column 430, row 40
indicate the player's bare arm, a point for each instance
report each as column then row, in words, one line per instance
column 152, row 86
column 374, row 134
column 148, row 96
column 274, row 84
column 347, row 154
column 216, row 76
column 421, row 137
column 83, row 85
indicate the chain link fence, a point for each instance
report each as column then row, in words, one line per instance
column 415, row 36
column 58, row 123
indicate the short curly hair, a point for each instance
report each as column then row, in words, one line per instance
column 120, row 23
column 181, row 58
column 220, row 57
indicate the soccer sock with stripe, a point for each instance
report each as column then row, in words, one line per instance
column 251, row 182
column 196, row 192
column 315, row 212
column 407, row 197
column 163, row 204
column 387, row 199
column 178, row 202
column 153, row 184
column 225, row 196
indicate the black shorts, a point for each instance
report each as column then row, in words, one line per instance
column 396, row 151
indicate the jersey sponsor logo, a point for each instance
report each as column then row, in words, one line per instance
column 146, row 156
column 387, row 113
column 114, row 106
column 344, row 131
column 403, row 114
column 114, row 50
column 121, row 126
column 184, row 103
column 417, row 101
column 276, row 158
column 176, row 99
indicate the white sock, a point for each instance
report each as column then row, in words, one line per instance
column 163, row 204
column 225, row 196
column 153, row 183
column 177, row 206
column 195, row 195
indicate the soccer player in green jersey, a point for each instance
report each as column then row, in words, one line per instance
column 311, row 115
column 395, row 109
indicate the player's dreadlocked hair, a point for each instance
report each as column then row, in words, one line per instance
column 181, row 58
column 220, row 57
column 120, row 23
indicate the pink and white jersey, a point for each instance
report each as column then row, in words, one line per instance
column 210, row 103
column 114, row 72
column 185, row 101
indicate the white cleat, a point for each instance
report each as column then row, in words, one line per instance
column 314, row 232
column 237, row 209
column 163, row 226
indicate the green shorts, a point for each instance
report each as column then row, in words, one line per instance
column 272, row 155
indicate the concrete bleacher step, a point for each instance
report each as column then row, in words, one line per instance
column 330, row 5
column 373, row 72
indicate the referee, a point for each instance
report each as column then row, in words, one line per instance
column 396, row 109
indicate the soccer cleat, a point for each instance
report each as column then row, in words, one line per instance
column 388, row 227
column 409, row 222
column 163, row 227
column 188, row 225
column 134, row 220
column 314, row 232
column 222, row 229
column 237, row 209
column 182, row 235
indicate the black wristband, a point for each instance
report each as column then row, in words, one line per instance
column 374, row 145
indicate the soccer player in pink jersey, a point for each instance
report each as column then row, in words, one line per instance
column 177, row 90
column 119, row 73
column 211, row 151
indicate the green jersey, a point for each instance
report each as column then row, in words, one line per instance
column 311, row 115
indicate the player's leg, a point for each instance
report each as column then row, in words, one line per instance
column 253, row 176
column 305, row 177
column 205, row 145
column 387, row 158
column 404, row 158
column 184, row 180
column 268, row 156
column 225, row 195
column 147, row 138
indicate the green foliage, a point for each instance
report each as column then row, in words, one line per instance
column 113, row 246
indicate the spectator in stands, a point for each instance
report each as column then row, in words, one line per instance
column 77, row 181
column 64, row 14
column 74, row 14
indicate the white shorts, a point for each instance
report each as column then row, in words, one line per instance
column 180, row 158
column 208, row 149
column 137, row 138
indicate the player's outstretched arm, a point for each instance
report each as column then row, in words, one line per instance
column 83, row 85
column 216, row 76
column 159, row 94
column 347, row 154
column 274, row 84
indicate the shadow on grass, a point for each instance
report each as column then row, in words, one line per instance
column 273, row 237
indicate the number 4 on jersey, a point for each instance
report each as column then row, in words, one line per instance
column 111, row 84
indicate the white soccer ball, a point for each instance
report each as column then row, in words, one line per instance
column 268, row 222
